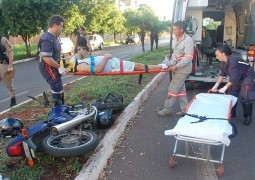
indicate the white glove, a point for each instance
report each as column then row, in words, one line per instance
column 165, row 61
column 62, row 70
column 222, row 90
column 164, row 66
column 214, row 88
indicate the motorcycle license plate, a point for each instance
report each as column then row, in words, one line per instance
column 28, row 151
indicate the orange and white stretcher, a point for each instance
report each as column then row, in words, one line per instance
column 205, row 124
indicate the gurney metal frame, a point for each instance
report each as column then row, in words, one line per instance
column 188, row 139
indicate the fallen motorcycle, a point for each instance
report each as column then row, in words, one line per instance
column 66, row 132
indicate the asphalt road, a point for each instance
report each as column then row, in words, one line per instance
column 143, row 153
column 28, row 80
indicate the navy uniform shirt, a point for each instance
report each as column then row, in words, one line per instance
column 236, row 68
column 50, row 47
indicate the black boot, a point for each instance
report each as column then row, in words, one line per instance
column 247, row 113
column 62, row 98
column 13, row 102
column 58, row 99
column 233, row 111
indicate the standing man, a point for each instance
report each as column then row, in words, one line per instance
column 50, row 47
column 83, row 44
column 156, row 39
column 6, row 67
column 181, row 65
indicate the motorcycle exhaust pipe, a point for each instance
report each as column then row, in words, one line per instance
column 61, row 128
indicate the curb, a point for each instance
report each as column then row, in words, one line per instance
column 7, row 110
column 96, row 163
column 24, row 60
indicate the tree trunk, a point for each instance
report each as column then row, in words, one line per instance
column 152, row 40
column 142, row 39
column 26, row 39
column 114, row 36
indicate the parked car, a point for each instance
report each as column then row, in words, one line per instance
column 133, row 39
column 96, row 42
column 67, row 45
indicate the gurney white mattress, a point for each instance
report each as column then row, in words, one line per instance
column 211, row 106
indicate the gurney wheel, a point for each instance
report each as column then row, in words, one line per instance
column 171, row 161
column 220, row 170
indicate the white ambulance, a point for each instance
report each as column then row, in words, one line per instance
column 229, row 22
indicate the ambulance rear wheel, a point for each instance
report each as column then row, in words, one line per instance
column 171, row 161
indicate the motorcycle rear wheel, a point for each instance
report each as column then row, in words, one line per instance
column 70, row 144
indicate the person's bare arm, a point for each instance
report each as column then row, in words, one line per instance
column 10, row 56
column 228, row 84
column 219, row 79
column 102, row 64
column 89, row 46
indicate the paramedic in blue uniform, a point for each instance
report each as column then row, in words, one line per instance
column 241, row 80
column 49, row 47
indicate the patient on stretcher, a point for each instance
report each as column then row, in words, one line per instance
column 107, row 63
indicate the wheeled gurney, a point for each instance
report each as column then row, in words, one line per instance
column 205, row 124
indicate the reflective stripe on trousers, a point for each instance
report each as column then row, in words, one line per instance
column 177, row 89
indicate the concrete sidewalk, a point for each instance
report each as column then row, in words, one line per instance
column 143, row 151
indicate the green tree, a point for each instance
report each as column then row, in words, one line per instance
column 21, row 18
column 147, row 20
column 4, row 27
column 115, row 22
column 69, row 9
column 73, row 20
column 97, row 13
column 144, row 20
column 156, row 29
column 131, row 22
column 28, row 17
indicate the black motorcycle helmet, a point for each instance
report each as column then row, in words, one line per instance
column 10, row 126
column 104, row 118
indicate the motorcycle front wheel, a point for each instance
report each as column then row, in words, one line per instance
column 70, row 144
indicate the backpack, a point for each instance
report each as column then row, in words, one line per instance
column 3, row 55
